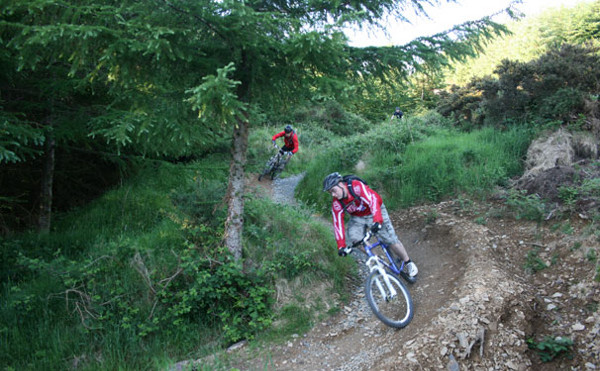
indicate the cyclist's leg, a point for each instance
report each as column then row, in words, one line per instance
column 388, row 235
column 286, row 149
column 355, row 228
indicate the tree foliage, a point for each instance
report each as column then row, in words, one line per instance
column 122, row 80
column 529, row 38
column 550, row 88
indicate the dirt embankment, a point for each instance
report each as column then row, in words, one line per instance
column 476, row 297
column 473, row 299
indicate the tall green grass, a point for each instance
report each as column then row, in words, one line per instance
column 138, row 279
column 420, row 161
column 449, row 163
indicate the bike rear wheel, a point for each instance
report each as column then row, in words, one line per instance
column 268, row 168
column 394, row 312
column 277, row 169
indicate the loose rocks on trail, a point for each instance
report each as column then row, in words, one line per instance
column 474, row 300
column 465, row 305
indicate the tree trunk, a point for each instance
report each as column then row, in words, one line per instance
column 44, row 219
column 235, row 191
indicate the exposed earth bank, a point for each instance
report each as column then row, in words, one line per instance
column 475, row 299
column 489, row 287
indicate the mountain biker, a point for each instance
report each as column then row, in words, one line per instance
column 366, row 210
column 290, row 141
column 397, row 114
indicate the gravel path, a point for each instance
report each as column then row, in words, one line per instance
column 473, row 300
column 283, row 189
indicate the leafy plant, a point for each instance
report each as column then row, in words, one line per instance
column 551, row 348
column 567, row 228
column 568, row 195
column 533, row 263
column 591, row 255
column 529, row 207
column 431, row 216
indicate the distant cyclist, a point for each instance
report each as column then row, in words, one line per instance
column 366, row 210
column 397, row 114
column 290, row 140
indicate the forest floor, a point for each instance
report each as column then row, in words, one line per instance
column 476, row 298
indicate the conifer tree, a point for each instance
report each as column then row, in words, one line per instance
column 123, row 75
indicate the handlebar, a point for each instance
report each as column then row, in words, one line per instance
column 357, row 245
column 365, row 239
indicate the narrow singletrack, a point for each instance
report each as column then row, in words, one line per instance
column 355, row 339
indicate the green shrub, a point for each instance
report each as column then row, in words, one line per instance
column 331, row 116
column 562, row 103
column 529, row 207
column 551, row 348
column 533, row 263
column 550, row 88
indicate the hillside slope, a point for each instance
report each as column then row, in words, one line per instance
column 474, row 299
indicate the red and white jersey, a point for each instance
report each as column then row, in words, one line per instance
column 291, row 142
column 367, row 202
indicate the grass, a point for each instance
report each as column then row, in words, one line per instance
column 125, row 282
column 432, row 163
column 86, row 293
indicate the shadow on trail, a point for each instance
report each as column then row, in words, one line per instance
column 355, row 339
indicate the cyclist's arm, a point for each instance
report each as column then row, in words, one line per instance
column 295, row 140
column 278, row 135
column 338, row 224
column 372, row 199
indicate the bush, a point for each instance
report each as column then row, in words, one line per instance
column 550, row 88
column 551, row 348
column 529, row 207
column 332, row 117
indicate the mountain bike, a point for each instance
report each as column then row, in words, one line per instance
column 275, row 165
column 387, row 296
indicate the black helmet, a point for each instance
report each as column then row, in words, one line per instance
column 331, row 181
column 288, row 129
column 397, row 108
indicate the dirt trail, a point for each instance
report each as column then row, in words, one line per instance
column 353, row 339
column 356, row 339
column 473, row 299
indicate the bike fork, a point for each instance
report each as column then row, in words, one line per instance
column 389, row 294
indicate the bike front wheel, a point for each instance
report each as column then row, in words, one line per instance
column 395, row 311
column 268, row 168
column 277, row 169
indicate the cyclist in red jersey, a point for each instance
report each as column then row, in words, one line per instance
column 290, row 140
column 366, row 209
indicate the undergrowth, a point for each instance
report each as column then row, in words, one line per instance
column 420, row 161
column 139, row 278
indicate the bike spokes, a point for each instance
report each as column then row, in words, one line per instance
column 390, row 303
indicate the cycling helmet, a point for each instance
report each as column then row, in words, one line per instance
column 331, row 181
column 397, row 108
column 288, row 129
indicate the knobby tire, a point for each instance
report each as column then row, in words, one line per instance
column 269, row 169
column 396, row 313
column 277, row 169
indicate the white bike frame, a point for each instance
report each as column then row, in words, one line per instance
column 375, row 264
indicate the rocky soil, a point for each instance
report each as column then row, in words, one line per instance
column 476, row 299
column 489, row 284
